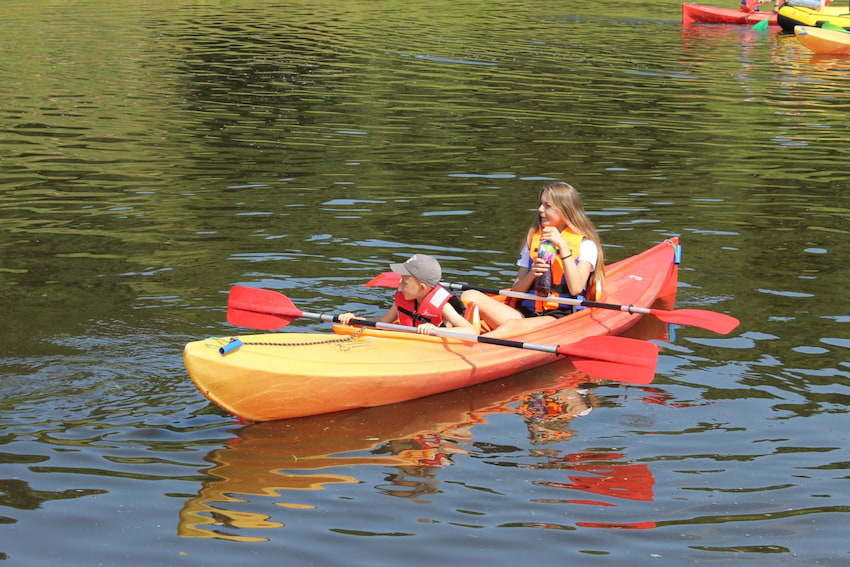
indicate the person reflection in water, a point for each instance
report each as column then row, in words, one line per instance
column 549, row 413
column 431, row 453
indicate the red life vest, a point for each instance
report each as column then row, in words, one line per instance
column 559, row 285
column 429, row 310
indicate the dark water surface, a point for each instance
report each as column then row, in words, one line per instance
column 154, row 154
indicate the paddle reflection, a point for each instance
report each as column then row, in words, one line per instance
column 604, row 474
column 412, row 440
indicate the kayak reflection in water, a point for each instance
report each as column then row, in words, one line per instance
column 548, row 414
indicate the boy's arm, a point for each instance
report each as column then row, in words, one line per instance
column 390, row 315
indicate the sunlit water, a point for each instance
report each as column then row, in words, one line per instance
column 152, row 156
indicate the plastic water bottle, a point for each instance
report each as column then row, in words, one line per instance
column 543, row 283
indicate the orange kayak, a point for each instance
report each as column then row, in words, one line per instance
column 284, row 375
column 822, row 40
column 700, row 13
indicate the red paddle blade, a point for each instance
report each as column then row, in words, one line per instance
column 614, row 372
column 716, row 322
column 260, row 308
column 614, row 358
column 387, row 279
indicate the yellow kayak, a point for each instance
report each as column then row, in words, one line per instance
column 822, row 40
column 789, row 17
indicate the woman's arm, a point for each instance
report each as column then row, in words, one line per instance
column 527, row 271
column 525, row 277
column 578, row 273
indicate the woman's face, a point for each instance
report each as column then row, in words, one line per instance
column 549, row 215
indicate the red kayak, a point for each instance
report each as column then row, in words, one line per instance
column 700, row 13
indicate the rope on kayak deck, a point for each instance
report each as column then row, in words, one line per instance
column 322, row 342
column 262, row 343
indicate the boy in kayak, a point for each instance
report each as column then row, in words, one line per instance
column 420, row 300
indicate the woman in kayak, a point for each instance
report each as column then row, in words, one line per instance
column 577, row 265
column 420, row 301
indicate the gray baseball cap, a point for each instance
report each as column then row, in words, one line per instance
column 424, row 268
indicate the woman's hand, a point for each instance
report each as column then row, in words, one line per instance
column 539, row 267
column 553, row 235
column 345, row 318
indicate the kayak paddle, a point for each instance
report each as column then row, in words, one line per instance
column 710, row 320
column 613, row 358
column 833, row 27
column 761, row 25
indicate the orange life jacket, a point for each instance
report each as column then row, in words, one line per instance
column 559, row 283
column 429, row 310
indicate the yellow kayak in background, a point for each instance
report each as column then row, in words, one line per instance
column 790, row 17
column 824, row 41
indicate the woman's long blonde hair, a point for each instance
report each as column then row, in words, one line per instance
column 566, row 199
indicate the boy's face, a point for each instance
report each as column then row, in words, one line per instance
column 411, row 288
